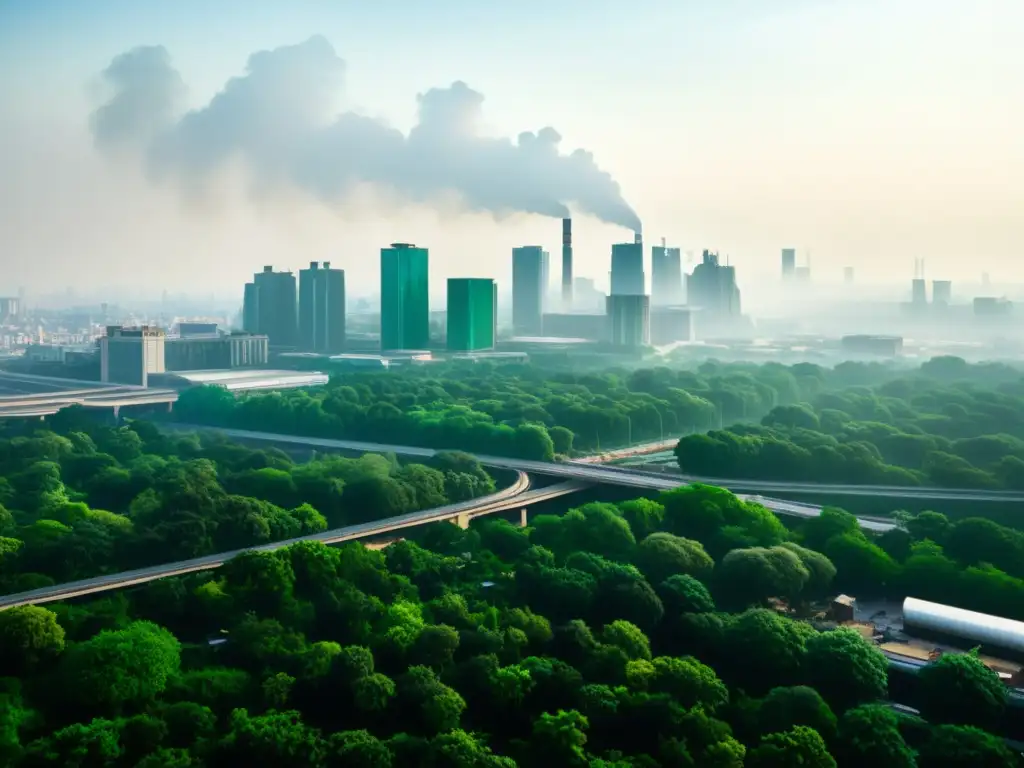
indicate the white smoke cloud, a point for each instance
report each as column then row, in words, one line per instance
column 282, row 119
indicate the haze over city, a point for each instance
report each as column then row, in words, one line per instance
column 867, row 133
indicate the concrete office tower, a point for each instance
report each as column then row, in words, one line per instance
column 472, row 313
column 918, row 291
column 129, row 355
column 270, row 307
column 251, row 308
column 322, row 308
column 942, row 292
column 529, row 289
column 567, row 283
column 788, row 262
column 666, row 276
column 404, row 297
column 629, row 320
column 712, row 288
column 627, row 277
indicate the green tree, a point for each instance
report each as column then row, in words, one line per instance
column 118, row 667
column 954, row 746
column 959, row 689
column 786, row 707
column 662, row 555
column 845, row 668
column 29, row 636
column 870, row 735
column 801, row 746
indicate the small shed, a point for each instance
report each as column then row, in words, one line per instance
column 843, row 608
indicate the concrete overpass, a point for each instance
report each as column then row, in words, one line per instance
column 622, row 476
column 519, row 496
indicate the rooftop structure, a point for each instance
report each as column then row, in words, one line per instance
column 993, row 631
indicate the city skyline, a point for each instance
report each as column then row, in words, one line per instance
column 870, row 161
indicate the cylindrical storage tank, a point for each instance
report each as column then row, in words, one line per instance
column 981, row 628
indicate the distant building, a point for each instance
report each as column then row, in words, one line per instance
column 567, row 281
column 918, row 291
column 206, row 353
column 666, row 277
column 942, row 292
column 586, row 296
column 129, row 355
column 670, row 325
column 592, row 326
column 322, row 308
column 627, row 277
column 788, row 262
column 848, row 275
column 802, row 275
column 472, row 305
column 712, row 289
column 530, row 274
column 10, row 308
column 629, row 320
column 992, row 307
column 270, row 307
column 876, row 346
column 197, row 329
column 404, row 297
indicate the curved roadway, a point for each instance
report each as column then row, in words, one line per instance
column 515, row 496
column 614, row 475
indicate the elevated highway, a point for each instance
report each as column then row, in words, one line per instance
column 595, row 473
column 519, row 495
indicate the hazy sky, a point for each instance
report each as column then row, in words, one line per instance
column 868, row 132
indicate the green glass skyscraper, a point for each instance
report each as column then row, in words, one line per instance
column 404, row 298
column 472, row 304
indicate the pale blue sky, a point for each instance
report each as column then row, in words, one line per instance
column 867, row 131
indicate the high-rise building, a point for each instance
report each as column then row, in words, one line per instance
column 712, row 289
column 918, row 291
column 529, row 289
column 666, row 276
column 129, row 355
column 251, row 308
column 788, row 262
column 472, row 313
column 10, row 308
column 942, row 292
column 404, row 297
column 567, row 284
column 629, row 320
column 270, row 307
column 628, row 269
column 322, row 308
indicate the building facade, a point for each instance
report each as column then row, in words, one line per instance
column 712, row 289
column 666, row 277
column 942, row 292
column 788, row 262
column 530, row 272
column 129, row 355
column 197, row 329
column 671, row 325
column 322, row 308
column 629, row 320
column 404, row 297
column 205, row 353
column 271, row 308
column 627, row 277
column 472, row 313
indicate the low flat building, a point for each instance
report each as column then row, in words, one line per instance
column 130, row 355
column 879, row 346
column 670, row 325
column 592, row 326
column 204, row 353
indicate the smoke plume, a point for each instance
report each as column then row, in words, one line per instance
column 283, row 119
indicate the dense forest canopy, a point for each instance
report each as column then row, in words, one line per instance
column 930, row 428
column 627, row 635
column 80, row 498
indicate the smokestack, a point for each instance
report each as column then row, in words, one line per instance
column 567, row 264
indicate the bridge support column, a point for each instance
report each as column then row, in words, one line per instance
column 170, row 406
column 117, row 413
column 523, row 518
column 462, row 520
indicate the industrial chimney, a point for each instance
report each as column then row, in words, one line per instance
column 566, row 264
